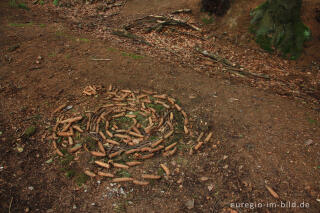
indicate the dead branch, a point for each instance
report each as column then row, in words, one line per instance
column 229, row 66
column 159, row 22
column 181, row 11
column 126, row 34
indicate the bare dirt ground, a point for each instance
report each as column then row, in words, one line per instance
column 266, row 130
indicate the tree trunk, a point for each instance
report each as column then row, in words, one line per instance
column 277, row 25
column 218, row 7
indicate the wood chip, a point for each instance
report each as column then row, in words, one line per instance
column 119, row 115
column 166, row 169
column 65, row 134
column 157, row 143
column 71, row 120
column 66, row 127
column 132, row 151
column 124, row 179
column 54, row 144
column 98, row 154
column 147, row 156
column 185, row 128
column 118, row 165
column 102, row 135
column 177, row 107
column 198, row 146
column 157, row 149
column 148, row 92
column 148, row 176
column 170, row 146
column 76, row 127
column 122, row 136
column 163, row 96
column 101, row 148
column 208, row 137
column 163, row 104
column 141, row 183
column 70, row 140
column 89, row 173
column 133, row 163
column 88, row 122
column 125, row 91
column 170, row 152
column 272, row 192
column 112, row 142
column 171, row 100
column 75, row 148
column 58, row 109
column 59, row 152
column 105, row 174
column 136, row 134
column 171, row 116
column 200, row 136
column 112, row 155
column 102, row 164
column 168, row 134
column 109, row 133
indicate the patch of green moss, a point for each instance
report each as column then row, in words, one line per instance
column 123, row 173
column 89, row 141
column 29, row 131
column 158, row 107
column 278, row 28
column 207, row 20
column 66, row 159
column 81, row 179
column 264, row 42
column 132, row 55
column 123, row 122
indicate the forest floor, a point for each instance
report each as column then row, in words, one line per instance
column 263, row 110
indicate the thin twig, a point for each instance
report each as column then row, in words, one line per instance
column 10, row 204
column 101, row 59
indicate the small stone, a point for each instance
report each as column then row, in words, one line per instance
column 37, row 62
column 20, row 149
column 190, row 204
column 308, row 142
column 204, row 179
column 210, row 187
column 74, row 206
column 226, row 166
column 180, row 181
column 27, row 209
column 39, row 57
column 232, row 100
column 192, row 96
column 50, row 211
column 93, row 204
column 225, row 157
column 31, row 188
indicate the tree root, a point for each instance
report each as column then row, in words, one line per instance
column 229, row 66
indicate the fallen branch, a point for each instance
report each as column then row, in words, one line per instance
column 229, row 66
column 101, row 59
column 126, row 34
column 182, row 11
column 159, row 22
